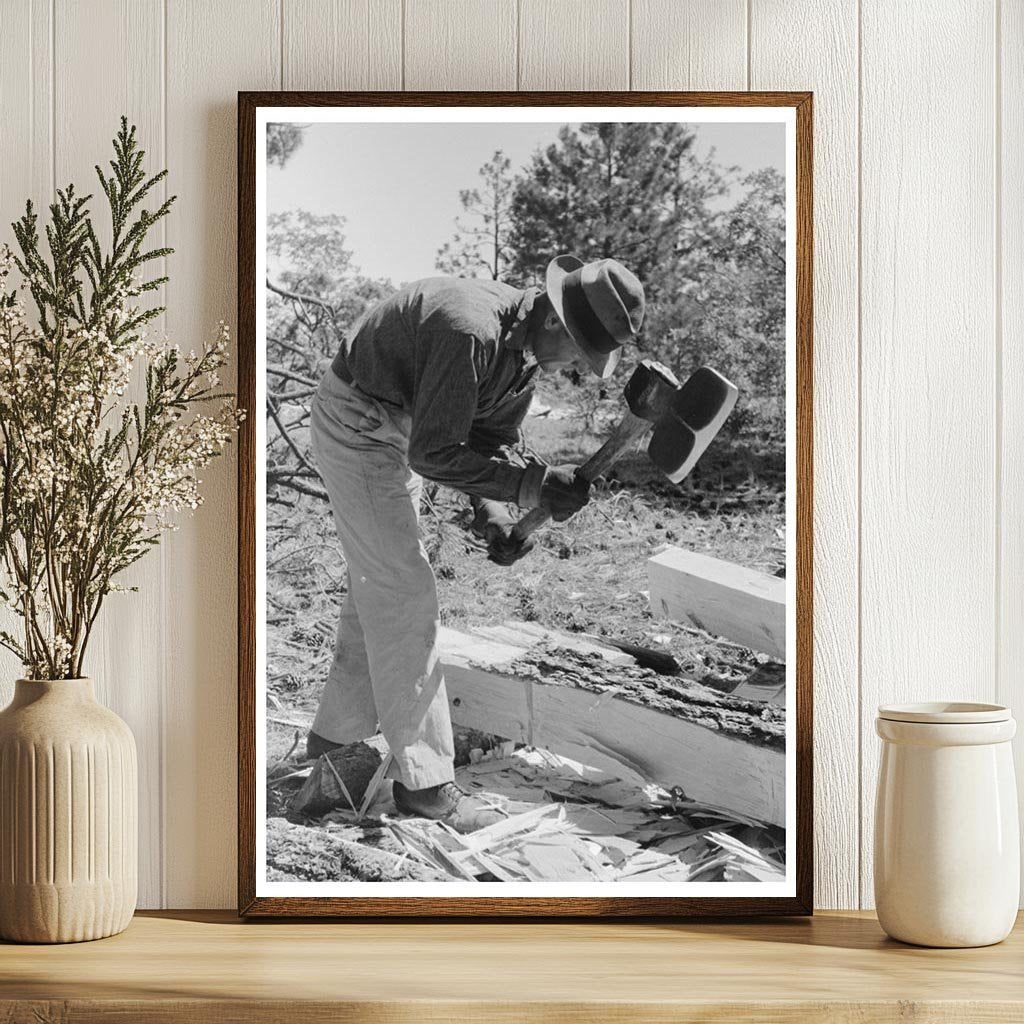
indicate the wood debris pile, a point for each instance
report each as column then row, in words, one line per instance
column 588, row 779
column 571, row 823
column 566, row 822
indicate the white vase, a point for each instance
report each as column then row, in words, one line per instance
column 68, row 815
column 947, row 846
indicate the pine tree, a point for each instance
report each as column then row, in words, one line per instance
column 630, row 191
column 708, row 248
column 483, row 245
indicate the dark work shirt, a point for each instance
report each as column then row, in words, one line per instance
column 450, row 352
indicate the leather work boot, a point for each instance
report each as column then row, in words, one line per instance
column 447, row 803
column 317, row 745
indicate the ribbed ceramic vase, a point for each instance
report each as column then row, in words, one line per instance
column 947, row 847
column 68, row 815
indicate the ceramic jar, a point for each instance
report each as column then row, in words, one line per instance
column 68, row 815
column 947, row 847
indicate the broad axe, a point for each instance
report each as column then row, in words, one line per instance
column 685, row 419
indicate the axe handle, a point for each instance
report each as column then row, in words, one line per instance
column 625, row 436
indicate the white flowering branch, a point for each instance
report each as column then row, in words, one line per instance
column 88, row 477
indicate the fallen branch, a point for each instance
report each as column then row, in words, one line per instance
column 303, row 461
column 291, row 483
column 288, row 375
column 302, row 299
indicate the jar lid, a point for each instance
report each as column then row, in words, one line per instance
column 944, row 713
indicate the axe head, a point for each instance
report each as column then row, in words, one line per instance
column 693, row 416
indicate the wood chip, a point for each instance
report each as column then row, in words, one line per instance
column 551, row 862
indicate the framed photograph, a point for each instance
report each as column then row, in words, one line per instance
column 525, row 504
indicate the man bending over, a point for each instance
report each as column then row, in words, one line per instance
column 436, row 383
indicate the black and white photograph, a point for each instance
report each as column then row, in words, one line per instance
column 525, row 502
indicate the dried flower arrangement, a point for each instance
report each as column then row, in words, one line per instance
column 90, row 476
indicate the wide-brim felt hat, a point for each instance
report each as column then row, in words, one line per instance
column 601, row 305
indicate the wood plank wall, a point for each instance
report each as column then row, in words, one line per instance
column 919, row 313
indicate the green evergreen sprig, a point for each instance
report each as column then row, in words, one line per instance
column 90, row 474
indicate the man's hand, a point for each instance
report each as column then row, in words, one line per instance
column 493, row 523
column 502, row 545
column 564, row 492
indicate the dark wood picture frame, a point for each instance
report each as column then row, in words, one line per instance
column 487, row 906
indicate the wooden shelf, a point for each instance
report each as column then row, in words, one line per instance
column 200, row 967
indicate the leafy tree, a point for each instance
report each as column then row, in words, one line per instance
column 727, row 304
column 315, row 296
column 308, row 254
column 756, row 225
column 484, row 244
column 282, row 142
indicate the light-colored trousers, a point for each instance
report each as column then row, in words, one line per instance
column 386, row 666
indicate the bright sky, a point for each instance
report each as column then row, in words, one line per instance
column 397, row 185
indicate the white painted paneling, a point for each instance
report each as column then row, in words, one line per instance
column 470, row 44
column 928, row 521
column 26, row 108
column 342, row 44
column 1010, row 265
column 574, row 44
column 126, row 664
column 780, row 59
column 689, row 44
column 213, row 51
column 941, row 256
column 26, row 119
